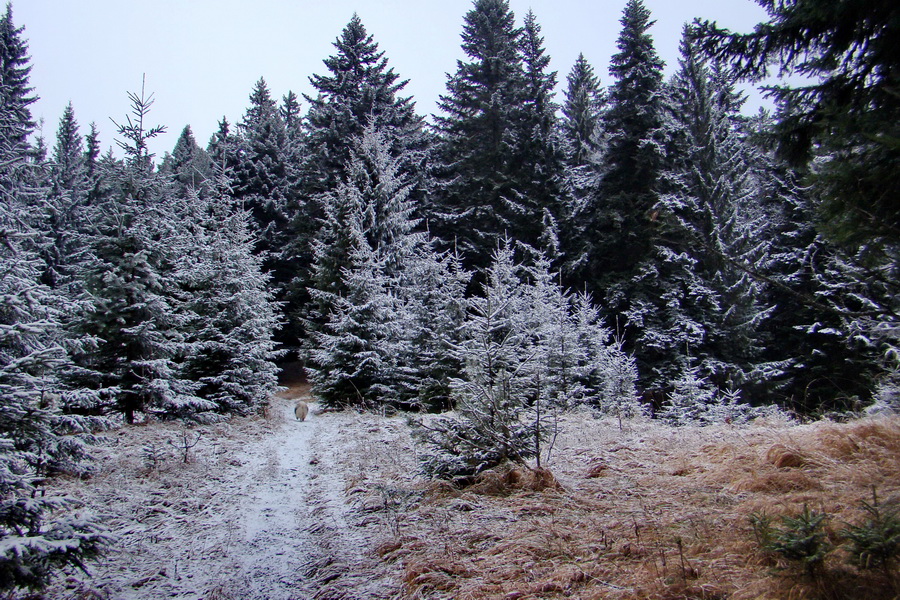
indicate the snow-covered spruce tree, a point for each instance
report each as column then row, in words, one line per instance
column 388, row 210
column 694, row 292
column 605, row 376
column 369, row 226
column 64, row 218
column 840, row 131
column 495, row 396
column 539, row 147
column 480, row 191
column 691, row 394
column 260, row 176
column 432, row 289
column 694, row 400
column 582, row 111
column 129, row 328
column 189, row 165
column 230, row 313
column 34, row 543
column 224, row 149
column 359, row 90
column 554, row 336
column 264, row 181
column 528, row 350
column 350, row 359
column 862, row 289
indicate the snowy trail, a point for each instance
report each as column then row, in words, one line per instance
column 274, row 512
column 264, row 512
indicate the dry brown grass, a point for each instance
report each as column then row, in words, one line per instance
column 650, row 513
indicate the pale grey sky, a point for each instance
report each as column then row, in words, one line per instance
column 202, row 57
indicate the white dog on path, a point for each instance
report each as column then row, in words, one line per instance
column 301, row 410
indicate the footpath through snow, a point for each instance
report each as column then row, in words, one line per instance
column 263, row 509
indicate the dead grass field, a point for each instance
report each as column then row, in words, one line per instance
column 649, row 512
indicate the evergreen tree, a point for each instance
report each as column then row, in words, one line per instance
column 605, row 377
column 695, row 297
column 360, row 88
column 290, row 114
column 350, row 363
column 582, row 112
column 843, row 129
column 128, row 327
column 368, row 234
column 66, row 203
column 230, row 311
column 481, row 196
column 527, row 349
column 432, row 291
column 495, row 424
column 261, row 174
column 389, row 220
column 822, row 371
column 223, row 149
column 91, row 150
column 618, row 217
column 847, row 113
column 16, row 96
column 540, row 158
column 189, row 166
column 359, row 91
column 33, row 541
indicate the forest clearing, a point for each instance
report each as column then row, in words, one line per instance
column 581, row 338
column 334, row 508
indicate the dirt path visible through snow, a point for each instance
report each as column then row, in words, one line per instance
column 264, row 509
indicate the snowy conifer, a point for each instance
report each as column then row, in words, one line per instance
column 692, row 393
column 539, row 147
column 359, row 89
column 582, row 111
column 492, row 397
column 432, row 290
column 694, row 400
column 230, row 311
column 605, row 376
column 128, row 327
column 189, row 165
column 694, row 293
column 350, row 362
column 65, row 219
column 261, row 174
column 33, row 541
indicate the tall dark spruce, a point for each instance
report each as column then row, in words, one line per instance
column 128, row 340
column 841, row 130
column 619, row 215
column 582, row 113
column 359, row 90
column 540, row 157
column 480, row 195
column 696, row 305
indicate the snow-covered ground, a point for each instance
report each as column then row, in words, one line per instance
column 332, row 509
column 264, row 508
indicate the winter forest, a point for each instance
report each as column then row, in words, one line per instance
column 630, row 244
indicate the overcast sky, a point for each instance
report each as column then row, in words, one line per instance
column 202, row 57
